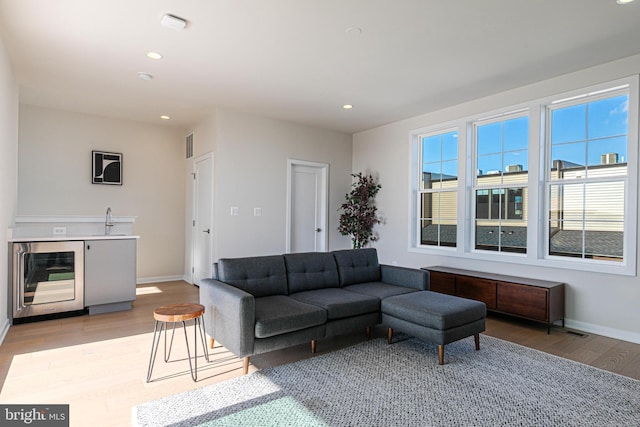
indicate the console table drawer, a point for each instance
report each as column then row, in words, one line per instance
column 442, row 282
column 525, row 301
column 477, row 289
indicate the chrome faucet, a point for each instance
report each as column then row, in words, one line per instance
column 108, row 222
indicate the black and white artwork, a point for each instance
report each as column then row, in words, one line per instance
column 107, row 168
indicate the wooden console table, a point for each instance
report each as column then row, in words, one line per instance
column 532, row 299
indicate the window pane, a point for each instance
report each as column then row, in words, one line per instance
column 489, row 138
column 431, row 175
column 482, row 204
column 567, row 239
column 605, row 244
column 569, row 124
column 515, row 203
column 568, row 160
column 431, row 149
column 490, row 165
column 496, row 202
column 487, row 237
column 450, row 146
column 608, row 117
column 604, row 202
column 515, row 166
column 450, row 172
column 608, row 151
column 439, row 218
column 516, row 134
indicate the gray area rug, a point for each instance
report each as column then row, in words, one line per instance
column 375, row 384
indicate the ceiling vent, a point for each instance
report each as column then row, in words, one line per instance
column 189, row 145
column 173, row 22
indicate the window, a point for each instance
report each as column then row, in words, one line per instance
column 438, row 189
column 500, row 184
column 550, row 182
column 587, row 176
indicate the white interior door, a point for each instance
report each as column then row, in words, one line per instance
column 307, row 213
column 203, row 218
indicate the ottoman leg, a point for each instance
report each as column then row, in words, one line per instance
column 389, row 335
column 476, row 337
column 440, row 354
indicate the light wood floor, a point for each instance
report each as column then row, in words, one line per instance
column 98, row 363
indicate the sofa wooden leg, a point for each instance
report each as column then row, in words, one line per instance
column 368, row 332
column 245, row 365
column 440, row 354
column 212, row 342
column 389, row 335
column 313, row 346
column 476, row 337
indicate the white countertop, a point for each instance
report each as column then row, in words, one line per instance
column 70, row 238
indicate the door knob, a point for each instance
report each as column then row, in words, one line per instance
column 318, row 230
column 206, row 231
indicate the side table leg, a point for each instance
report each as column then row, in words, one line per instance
column 203, row 334
column 194, row 374
column 154, row 348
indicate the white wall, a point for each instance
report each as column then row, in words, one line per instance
column 598, row 303
column 8, row 172
column 54, row 178
column 250, row 170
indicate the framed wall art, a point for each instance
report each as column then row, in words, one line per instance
column 107, row 168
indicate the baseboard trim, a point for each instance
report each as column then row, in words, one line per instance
column 158, row 279
column 603, row 330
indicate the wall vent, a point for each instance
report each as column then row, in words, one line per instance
column 189, row 145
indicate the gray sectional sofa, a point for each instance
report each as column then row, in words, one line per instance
column 260, row 304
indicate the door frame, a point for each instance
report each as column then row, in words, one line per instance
column 194, row 207
column 324, row 199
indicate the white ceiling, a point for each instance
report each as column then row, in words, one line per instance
column 295, row 59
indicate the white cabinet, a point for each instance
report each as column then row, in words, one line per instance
column 109, row 274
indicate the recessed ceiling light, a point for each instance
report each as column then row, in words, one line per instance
column 154, row 55
column 347, row 106
column 145, row 76
column 623, row 1
column 165, row 117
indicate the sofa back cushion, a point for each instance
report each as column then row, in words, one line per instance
column 260, row 276
column 357, row 266
column 311, row 271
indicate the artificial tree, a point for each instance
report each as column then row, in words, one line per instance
column 359, row 211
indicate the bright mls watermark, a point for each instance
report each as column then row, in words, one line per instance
column 34, row 415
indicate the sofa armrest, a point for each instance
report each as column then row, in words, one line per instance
column 403, row 276
column 229, row 316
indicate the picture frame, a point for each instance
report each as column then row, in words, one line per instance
column 106, row 168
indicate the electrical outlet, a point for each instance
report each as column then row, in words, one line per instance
column 59, row 231
column 234, row 211
column 257, row 211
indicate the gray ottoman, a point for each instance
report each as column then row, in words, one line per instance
column 434, row 317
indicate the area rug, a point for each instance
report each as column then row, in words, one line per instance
column 375, row 384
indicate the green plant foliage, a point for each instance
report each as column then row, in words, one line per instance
column 359, row 212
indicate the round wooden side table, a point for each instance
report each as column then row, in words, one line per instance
column 175, row 313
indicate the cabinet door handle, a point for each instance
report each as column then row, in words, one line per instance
column 206, row 231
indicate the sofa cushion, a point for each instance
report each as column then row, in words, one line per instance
column 309, row 271
column 338, row 302
column 259, row 276
column 279, row 314
column 357, row 266
column 379, row 289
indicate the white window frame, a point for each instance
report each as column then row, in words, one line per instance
column 496, row 118
column 420, row 191
column 537, row 217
